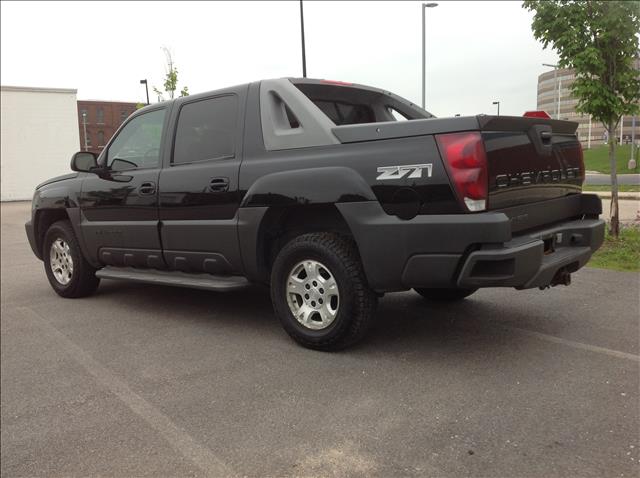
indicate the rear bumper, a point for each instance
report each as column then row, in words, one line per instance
column 520, row 247
column 533, row 260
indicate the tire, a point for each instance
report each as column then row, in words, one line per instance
column 445, row 295
column 351, row 301
column 76, row 278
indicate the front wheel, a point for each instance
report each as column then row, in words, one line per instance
column 320, row 293
column 69, row 273
column 445, row 295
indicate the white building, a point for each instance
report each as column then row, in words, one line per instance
column 39, row 134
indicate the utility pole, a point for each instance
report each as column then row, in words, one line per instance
column 589, row 138
column 304, row 55
column 424, row 52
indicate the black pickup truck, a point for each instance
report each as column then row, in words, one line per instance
column 332, row 193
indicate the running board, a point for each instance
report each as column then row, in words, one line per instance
column 174, row 278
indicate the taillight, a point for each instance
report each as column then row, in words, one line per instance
column 536, row 114
column 466, row 163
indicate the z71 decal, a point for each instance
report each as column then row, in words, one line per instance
column 399, row 172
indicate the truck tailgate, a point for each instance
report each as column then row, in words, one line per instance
column 530, row 159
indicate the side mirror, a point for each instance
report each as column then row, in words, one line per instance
column 84, row 162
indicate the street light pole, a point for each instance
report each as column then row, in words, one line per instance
column 304, row 54
column 84, row 127
column 558, row 103
column 146, row 87
column 497, row 103
column 556, row 84
column 424, row 51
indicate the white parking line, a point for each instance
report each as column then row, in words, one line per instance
column 578, row 345
column 179, row 439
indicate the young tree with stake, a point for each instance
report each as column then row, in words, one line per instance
column 171, row 79
column 599, row 39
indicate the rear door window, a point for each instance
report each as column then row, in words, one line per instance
column 206, row 130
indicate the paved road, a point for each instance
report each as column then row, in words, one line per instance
column 605, row 179
column 153, row 381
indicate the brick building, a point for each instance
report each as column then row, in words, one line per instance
column 102, row 119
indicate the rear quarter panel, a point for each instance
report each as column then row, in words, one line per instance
column 363, row 159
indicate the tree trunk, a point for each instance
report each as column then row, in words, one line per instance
column 614, row 225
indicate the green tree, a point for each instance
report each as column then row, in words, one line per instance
column 171, row 80
column 600, row 40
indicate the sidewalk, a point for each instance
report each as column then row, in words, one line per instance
column 628, row 196
column 604, row 179
column 629, row 212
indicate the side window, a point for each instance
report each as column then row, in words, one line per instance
column 396, row 114
column 346, row 113
column 100, row 115
column 138, row 143
column 206, row 130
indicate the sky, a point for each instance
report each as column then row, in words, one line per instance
column 477, row 52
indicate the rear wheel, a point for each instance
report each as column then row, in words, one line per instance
column 445, row 295
column 68, row 271
column 320, row 293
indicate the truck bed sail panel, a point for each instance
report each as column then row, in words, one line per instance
column 402, row 129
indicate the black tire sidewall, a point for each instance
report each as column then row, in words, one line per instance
column 293, row 254
column 62, row 231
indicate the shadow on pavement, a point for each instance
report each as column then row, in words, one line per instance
column 404, row 321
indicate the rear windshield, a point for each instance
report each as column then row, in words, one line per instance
column 352, row 105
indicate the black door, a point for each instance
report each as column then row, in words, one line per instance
column 120, row 213
column 199, row 194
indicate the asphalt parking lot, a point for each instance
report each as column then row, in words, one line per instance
column 152, row 381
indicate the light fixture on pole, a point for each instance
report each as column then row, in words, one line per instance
column 146, row 87
column 556, row 83
column 424, row 51
column 497, row 103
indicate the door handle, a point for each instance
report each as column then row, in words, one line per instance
column 147, row 189
column 219, row 185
